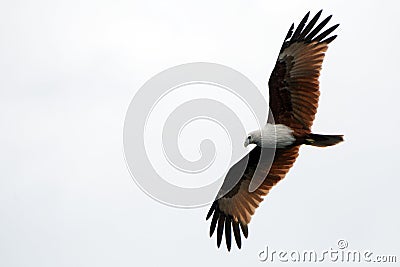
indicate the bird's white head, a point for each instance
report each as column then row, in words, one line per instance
column 253, row 138
column 271, row 136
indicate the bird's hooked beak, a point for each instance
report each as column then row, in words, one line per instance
column 246, row 142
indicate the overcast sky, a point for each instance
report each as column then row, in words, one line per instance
column 69, row 70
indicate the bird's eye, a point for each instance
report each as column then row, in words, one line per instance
column 248, row 138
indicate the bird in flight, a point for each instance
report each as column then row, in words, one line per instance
column 294, row 92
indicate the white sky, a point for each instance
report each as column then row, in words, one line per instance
column 68, row 73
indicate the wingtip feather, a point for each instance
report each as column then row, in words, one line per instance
column 210, row 211
column 245, row 230
column 228, row 233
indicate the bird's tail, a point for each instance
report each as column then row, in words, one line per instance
column 322, row 140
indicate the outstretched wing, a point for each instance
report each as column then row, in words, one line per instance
column 234, row 210
column 294, row 85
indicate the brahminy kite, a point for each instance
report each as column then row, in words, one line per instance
column 293, row 101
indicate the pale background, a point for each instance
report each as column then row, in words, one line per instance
column 68, row 72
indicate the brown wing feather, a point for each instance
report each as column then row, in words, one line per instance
column 238, row 205
column 294, row 85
